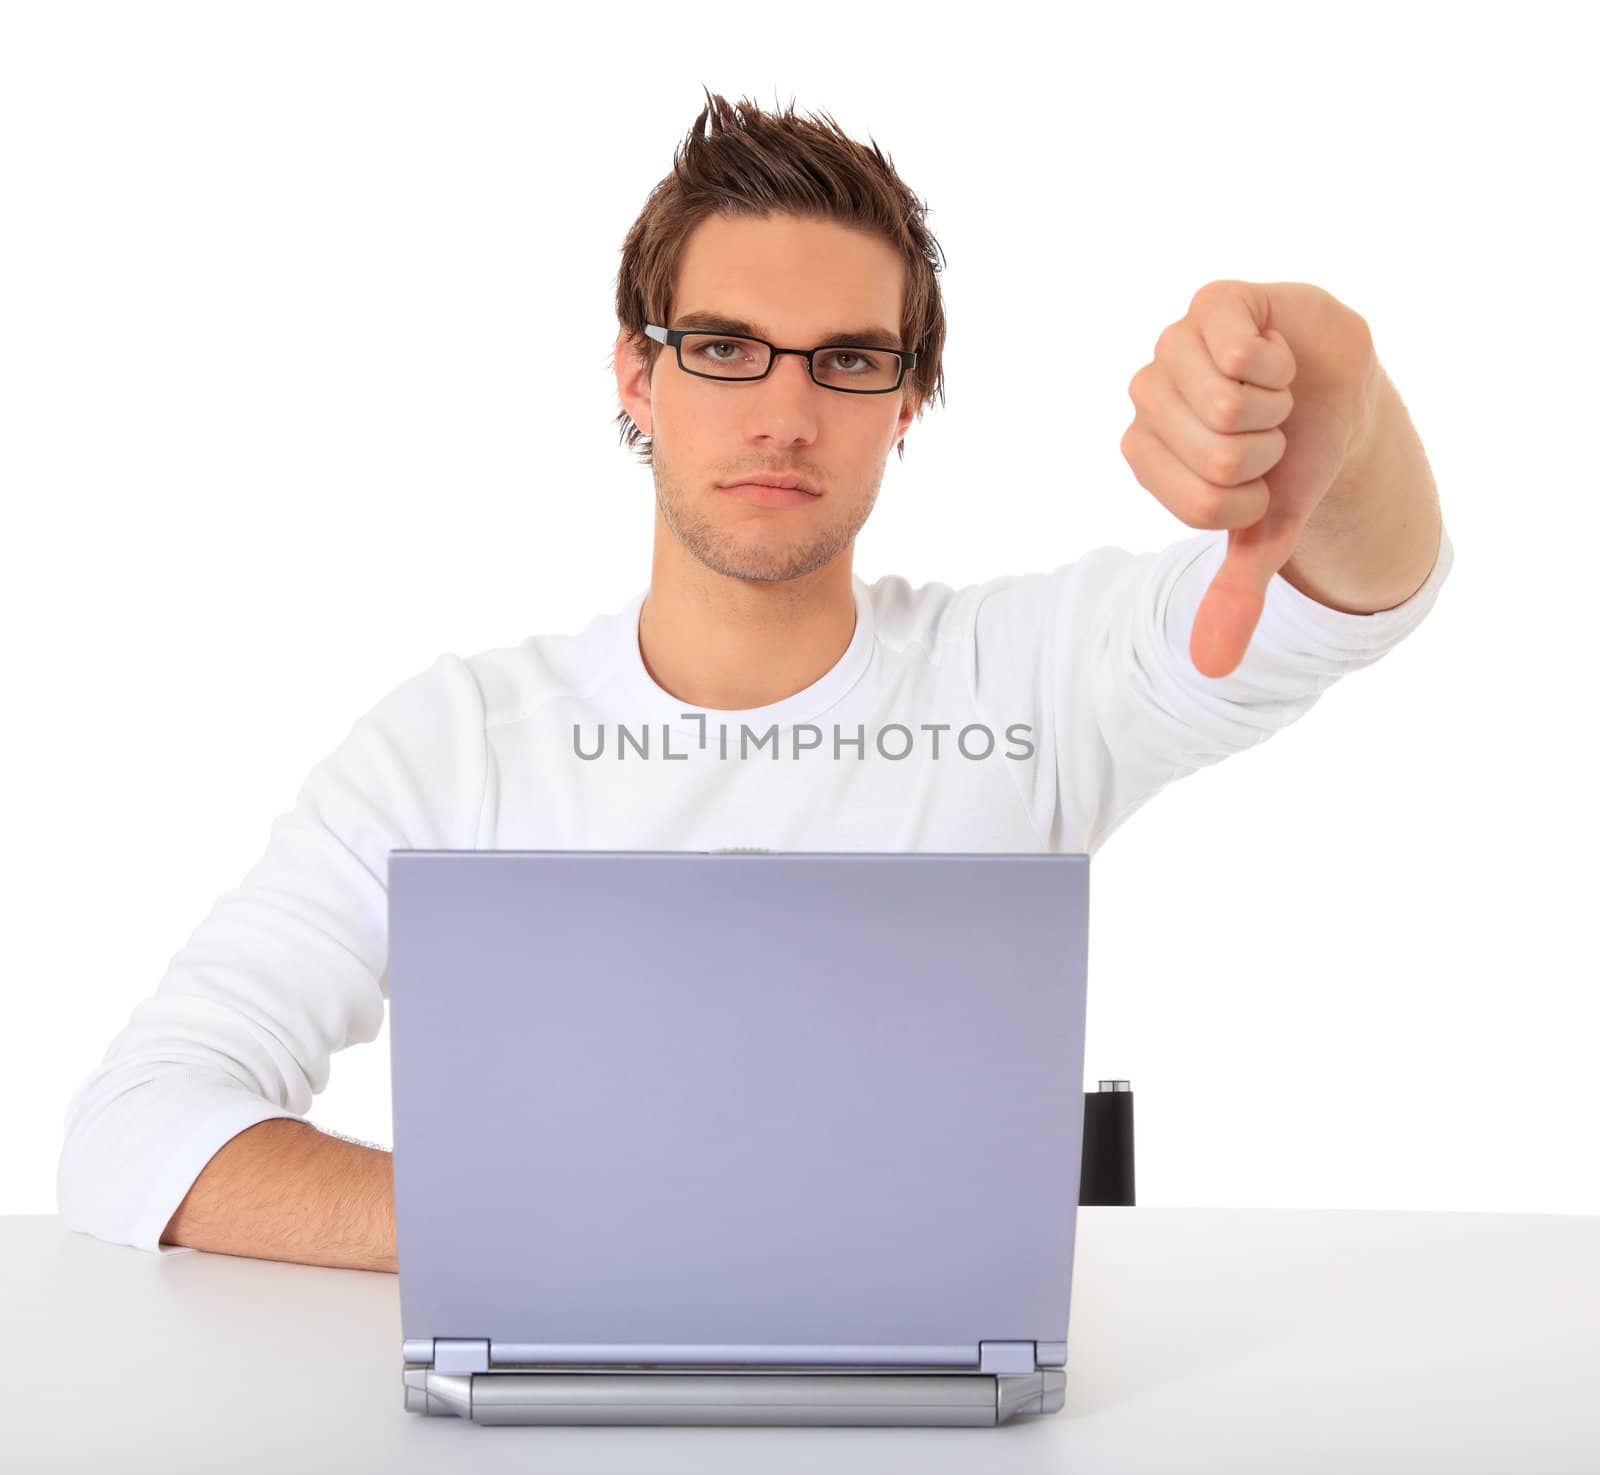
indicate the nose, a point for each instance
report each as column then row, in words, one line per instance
column 792, row 363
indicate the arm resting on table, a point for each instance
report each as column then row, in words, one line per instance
column 282, row 1190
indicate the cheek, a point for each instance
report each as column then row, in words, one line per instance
column 691, row 412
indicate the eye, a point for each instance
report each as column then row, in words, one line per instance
column 864, row 364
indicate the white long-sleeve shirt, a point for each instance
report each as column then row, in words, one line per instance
column 1030, row 712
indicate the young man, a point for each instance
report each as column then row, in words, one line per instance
column 758, row 692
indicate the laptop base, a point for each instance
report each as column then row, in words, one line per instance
column 671, row 1397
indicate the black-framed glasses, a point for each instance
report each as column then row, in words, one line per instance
column 850, row 368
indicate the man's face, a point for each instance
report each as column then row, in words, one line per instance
column 798, row 283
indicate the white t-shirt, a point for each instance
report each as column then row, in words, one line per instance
column 1030, row 712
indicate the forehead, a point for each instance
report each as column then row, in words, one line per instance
column 796, row 278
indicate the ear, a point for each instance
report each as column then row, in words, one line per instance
column 633, row 381
column 908, row 412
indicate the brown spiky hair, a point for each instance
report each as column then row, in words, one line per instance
column 756, row 164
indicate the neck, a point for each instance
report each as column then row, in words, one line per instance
column 714, row 641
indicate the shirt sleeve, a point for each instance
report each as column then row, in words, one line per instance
column 287, row 968
column 1095, row 654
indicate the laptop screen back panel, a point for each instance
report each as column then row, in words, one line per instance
column 751, row 1103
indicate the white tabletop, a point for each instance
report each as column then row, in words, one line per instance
column 1200, row 1339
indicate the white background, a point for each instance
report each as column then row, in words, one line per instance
column 304, row 378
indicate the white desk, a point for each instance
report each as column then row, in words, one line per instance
column 1201, row 1339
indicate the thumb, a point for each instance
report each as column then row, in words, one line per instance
column 1230, row 609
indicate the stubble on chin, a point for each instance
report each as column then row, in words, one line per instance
column 747, row 548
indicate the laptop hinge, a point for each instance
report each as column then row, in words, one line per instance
column 460, row 1355
column 1006, row 1357
column 465, row 1355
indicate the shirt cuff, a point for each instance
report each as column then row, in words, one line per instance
column 1295, row 631
column 1382, row 628
column 120, row 1181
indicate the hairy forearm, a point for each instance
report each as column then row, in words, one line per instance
column 282, row 1190
column 1372, row 540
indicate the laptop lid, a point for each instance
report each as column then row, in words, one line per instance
column 794, row 1109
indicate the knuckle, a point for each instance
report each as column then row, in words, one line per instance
column 1211, row 291
column 1227, row 409
column 1210, row 509
column 1223, row 464
column 1234, row 361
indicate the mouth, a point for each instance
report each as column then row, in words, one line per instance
column 760, row 494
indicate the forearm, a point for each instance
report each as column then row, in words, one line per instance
column 282, row 1190
column 1372, row 540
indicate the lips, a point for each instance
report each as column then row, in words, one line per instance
column 761, row 495
column 783, row 482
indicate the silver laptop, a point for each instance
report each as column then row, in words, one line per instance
column 736, row 1137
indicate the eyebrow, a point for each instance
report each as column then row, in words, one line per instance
column 871, row 336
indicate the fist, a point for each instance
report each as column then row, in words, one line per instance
column 1221, row 439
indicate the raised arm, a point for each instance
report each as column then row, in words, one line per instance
column 1323, row 548
column 1096, row 654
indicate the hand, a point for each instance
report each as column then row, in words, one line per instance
column 1215, row 417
